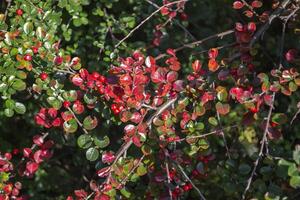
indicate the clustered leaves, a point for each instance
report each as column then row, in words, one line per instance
column 150, row 127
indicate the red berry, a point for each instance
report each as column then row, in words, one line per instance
column 102, row 79
column 67, row 104
column 58, row 60
column 15, row 151
column 43, row 76
column 35, row 50
column 19, row 12
column 253, row 109
column 27, row 57
column 238, row 5
column 8, row 156
column 186, row 187
column 183, row 16
column 95, row 75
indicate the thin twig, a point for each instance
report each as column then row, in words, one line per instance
column 146, row 19
column 206, row 134
column 175, row 21
column 273, row 16
column 197, row 43
column 189, row 180
column 222, row 134
column 262, row 146
column 78, row 121
column 127, row 144
column 168, row 174
column 7, row 8
column 295, row 116
column 250, row 7
column 132, row 170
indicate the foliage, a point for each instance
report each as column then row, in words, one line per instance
column 114, row 99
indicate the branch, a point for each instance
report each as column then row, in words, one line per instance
column 127, row 144
column 132, row 170
column 78, row 121
column 262, row 146
column 196, row 43
column 169, row 179
column 189, row 180
column 7, row 8
column 146, row 19
column 273, row 16
column 206, row 134
column 175, row 21
column 250, row 8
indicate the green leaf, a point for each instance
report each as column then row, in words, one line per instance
column 141, row 170
column 295, row 181
column 89, row 123
column 70, row 126
column 19, row 85
column 9, row 103
column 89, row 99
column 213, row 121
column 20, row 108
column 279, row 118
column 296, row 154
column 125, row 193
column 92, row 154
column 28, row 27
column 293, row 170
column 84, row 141
column 102, row 143
column 244, row 169
column 8, row 112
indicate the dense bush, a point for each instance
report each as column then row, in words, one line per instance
column 124, row 99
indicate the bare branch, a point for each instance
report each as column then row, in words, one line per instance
column 197, row 43
column 175, row 21
column 127, row 144
column 189, row 180
column 146, row 19
column 262, row 147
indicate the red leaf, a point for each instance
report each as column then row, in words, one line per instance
column 213, row 53
column 136, row 140
column 251, row 27
column 37, row 156
column 57, row 122
column 238, row 5
column 223, row 109
column 38, row 140
column 150, row 61
column 290, row 56
column 171, row 52
column 213, row 65
column 206, row 97
column 129, row 129
column 136, row 117
column 103, row 172
column 164, row 11
column 27, row 152
column 77, row 80
column 158, row 76
column 108, row 157
column 256, row 4
column 31, row 167
column 78, row 107
column 172, row 76
column 196, row 66
column 80, row 193
column 125, row 79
